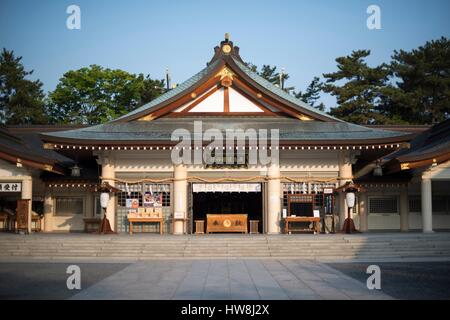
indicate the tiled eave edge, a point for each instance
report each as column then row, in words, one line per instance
column 283, row 145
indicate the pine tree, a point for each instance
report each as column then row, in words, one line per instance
column 422, row 94
column 21, row 100
column 359, row 97
column 311, row 94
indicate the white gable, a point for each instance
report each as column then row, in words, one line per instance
column 215, row 103
column 239, row 103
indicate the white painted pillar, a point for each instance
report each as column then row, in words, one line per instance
column 345, row 174
column 108, row 175
column 363, row 208
column 48, row 213
column 27, row 193
column 427, row 210
column 274, row 201
column 404, row 209
column 180, row 196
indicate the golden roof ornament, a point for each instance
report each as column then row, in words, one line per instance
column 226, row 47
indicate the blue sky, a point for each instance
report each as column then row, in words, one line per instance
column 304, row 37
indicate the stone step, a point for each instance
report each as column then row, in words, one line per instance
column 297, row 247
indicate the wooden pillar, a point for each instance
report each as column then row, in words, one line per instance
column 108, row 175
column 27, row 193
column 404, row 209
column 180, row 196
column 274, row 201
column 345, row 174
column 427, row 208
column 48, row 213
column 363, row 211
column 89, row 205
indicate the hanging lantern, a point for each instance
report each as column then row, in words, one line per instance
column 350, row 198
column 378, row 170
column 75, row 171
column 350, row 188
column 104, row 199
column 105, row 189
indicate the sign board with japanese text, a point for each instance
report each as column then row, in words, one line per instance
column 10, row 186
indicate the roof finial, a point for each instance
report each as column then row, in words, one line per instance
column 227, row 37
column 167, row 79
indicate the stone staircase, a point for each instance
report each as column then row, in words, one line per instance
column 141, row 247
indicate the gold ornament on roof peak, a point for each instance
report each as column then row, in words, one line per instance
column 226, row 49
column 225, row 73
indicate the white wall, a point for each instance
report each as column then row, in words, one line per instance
column 72, row 222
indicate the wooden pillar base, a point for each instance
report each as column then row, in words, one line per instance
column 105, row 227
column 349, row 226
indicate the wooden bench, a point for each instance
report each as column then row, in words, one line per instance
column 92, row 224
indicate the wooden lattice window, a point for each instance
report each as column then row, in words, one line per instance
column 66, row 206
column 383, row 205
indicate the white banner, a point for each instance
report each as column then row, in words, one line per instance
column 226, row 187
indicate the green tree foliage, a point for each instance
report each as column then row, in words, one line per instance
column 21, row 100
column 95, row 95
column 312, row 94
column 422, row 94
column 356, row 87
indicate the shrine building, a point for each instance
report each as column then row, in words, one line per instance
column 403, row 171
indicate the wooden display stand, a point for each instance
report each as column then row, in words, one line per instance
column 146, row 220
column 226, row 223
column 22, row 217
column 148, row 215
column 301, row 209
column 289, row 228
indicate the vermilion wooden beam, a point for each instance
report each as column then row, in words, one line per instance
column 226, row 100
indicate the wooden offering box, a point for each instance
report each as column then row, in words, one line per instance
column 226, row 223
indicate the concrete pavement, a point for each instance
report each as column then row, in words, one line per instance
column 222, row 279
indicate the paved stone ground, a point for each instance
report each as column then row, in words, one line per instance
column 225, row 279
column 228, row 280
column 47, row 281
column 417, row 280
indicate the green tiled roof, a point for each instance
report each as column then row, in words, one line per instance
column 172, row 93
column 289, row 129
column 278, row 91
